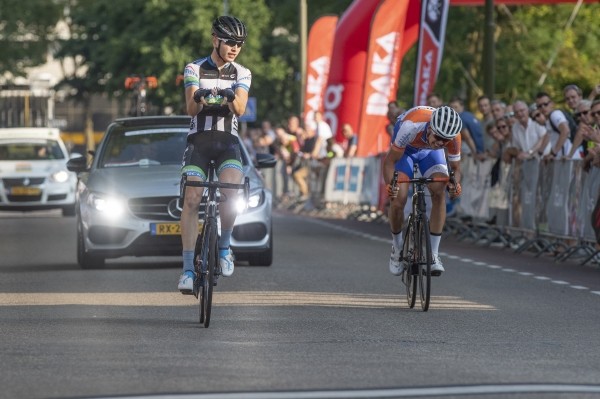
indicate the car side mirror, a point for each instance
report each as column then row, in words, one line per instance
column 265, row 160
column 77, row 165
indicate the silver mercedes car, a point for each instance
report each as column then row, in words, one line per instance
column 127, row 197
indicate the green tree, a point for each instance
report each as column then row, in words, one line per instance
column 526, row 38
column 27, row 29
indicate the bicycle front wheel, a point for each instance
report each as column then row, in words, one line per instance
column 209, row 258
column 408, row 256
column 425, row 259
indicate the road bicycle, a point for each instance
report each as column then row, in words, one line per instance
column 206, row 253
column 416, row 248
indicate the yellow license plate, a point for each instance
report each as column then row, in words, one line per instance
column 25, row 191
column 167, row 229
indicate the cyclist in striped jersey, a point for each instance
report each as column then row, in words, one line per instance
column 420, row 136
column 216, row 94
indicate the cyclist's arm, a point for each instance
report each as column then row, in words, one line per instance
column 455, row 167
column 389, row 163
column 238, row 105
column 192, row 107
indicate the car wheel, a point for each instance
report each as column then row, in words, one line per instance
column 264, row 258
column 68, row 210
column 86, row 260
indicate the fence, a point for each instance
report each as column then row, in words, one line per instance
column 544, row 207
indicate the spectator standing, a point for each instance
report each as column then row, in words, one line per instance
column 434, row 100
column 559, row 137
column 585, row 128
column 573, row 95
column 528, row 137
column 473, row 130
column 485, row 108
column 393, row 113
column 265, row 144
column 350, row 141
column 301, row 170
column 498, row 109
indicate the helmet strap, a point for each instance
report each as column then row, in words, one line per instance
column 218, row 49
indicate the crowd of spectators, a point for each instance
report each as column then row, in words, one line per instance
column 525, row 129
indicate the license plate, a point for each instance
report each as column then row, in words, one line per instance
column 167, row 229
column 25, row 191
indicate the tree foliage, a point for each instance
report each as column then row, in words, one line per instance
column 112, row 40
column 526, row 38
column 26, row 33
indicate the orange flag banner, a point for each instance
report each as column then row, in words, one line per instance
column 318, row 59
column 381, row 75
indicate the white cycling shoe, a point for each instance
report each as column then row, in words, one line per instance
column 436, row 267
column 396, row 266
column 227, row 263
column 186, row 283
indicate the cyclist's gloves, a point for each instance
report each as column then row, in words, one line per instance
column 392, row 191
column 228, row 94
column 201, row 93
column 454, row 190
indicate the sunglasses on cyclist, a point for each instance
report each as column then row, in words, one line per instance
column 544, row 104
column 232, row 43
column 578, row 114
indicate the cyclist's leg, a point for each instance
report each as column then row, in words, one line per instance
column 229, row 170
column 192, row 167
column 396, row 212
column 434, row 165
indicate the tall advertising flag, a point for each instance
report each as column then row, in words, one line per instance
column 381, row 75
column 434, row 15
column 344, row 90
column 318, row 58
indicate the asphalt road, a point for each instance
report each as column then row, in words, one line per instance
column 325, row 320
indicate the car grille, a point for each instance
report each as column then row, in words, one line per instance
column 20, row 181
column 24, row 198
column 155, row 208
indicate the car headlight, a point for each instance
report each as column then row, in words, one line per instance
column 255, row 199
column 109, row 206
column 59, row 177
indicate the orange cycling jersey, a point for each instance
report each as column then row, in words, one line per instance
column 410, row 130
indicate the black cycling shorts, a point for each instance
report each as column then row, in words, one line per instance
column 202, row 147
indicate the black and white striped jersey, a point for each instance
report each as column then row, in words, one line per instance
column 203, row 73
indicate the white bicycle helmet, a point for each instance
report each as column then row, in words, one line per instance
column 446, row 123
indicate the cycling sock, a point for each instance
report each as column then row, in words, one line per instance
column 435, row 242
column 223, row 252
column 188, row 261
column 397, row 239
column 225, row 238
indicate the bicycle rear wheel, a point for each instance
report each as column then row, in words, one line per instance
column 409, row 276
column 425, row 259
column 209, row 258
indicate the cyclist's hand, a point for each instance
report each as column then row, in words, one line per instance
column 392, row 191
column 228, row 94
column 200, row 94
column 454, row 190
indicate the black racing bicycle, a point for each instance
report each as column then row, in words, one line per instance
column 206, row 253
column 416, row 248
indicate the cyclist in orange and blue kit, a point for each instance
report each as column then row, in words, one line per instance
column 420, row 136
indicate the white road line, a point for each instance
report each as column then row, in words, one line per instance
column 466, row 260
column 387, row 393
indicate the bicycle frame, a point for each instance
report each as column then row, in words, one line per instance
column 416, row 249
column 206, row 262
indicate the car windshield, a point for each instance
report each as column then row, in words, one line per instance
column 31, row 150
column 143, row 147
